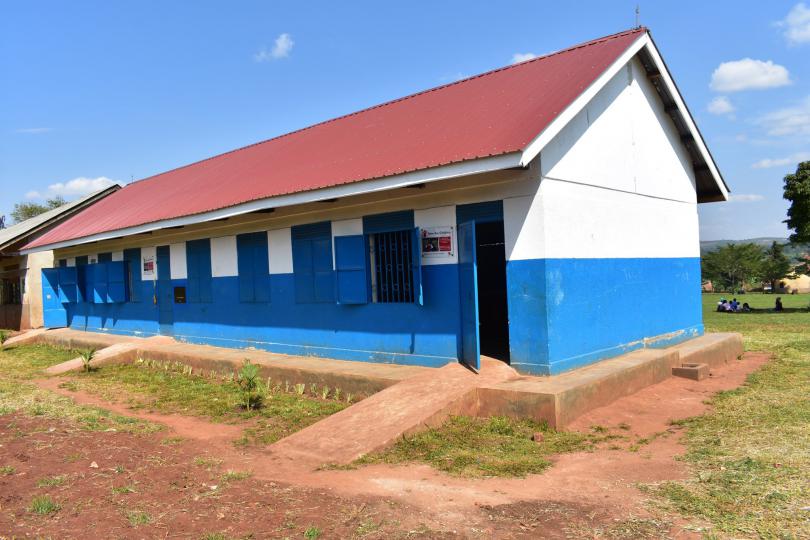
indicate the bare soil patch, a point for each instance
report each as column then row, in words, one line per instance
column 583, row 494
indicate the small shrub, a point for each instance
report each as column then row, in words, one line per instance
column 3, row 339
column 43, row 505
column 300, row 388
column 87, row 356
column 337, row 394
column 312, row 533
column 325, row 392
column 249, row 382
column 349, row 397
column 7, row 470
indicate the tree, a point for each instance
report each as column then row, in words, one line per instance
column 733, row 266
column 797, row 191
column 23, row 211
column 776, row 265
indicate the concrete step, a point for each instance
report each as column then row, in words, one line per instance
column 424, row 400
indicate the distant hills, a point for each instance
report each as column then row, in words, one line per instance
column 794, row 252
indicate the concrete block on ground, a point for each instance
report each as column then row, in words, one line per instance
column 695, row 372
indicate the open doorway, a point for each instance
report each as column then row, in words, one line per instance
column 493, row 315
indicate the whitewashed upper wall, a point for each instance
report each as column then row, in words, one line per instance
column 623, row 140
column 615, row 183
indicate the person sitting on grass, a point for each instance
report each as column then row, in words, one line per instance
column 735, row 306
column 722, row 305
column 746, row 308
column 778, row 306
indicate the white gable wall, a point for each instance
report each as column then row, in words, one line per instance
column 616, row 182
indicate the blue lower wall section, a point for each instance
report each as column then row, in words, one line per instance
column 563, row 313
column 391, row 333
column 566, row 313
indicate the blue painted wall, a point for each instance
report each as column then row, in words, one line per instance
column 566, row 313
column 391, row 333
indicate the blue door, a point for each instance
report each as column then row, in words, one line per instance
column 165, row 295
column 53, row 311
column 468, row 291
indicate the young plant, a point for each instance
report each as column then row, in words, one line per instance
column 300, row 388
column 3, row 339
column 249, row 382
column 325, row 392
column 313, row 389
column 87, row 356
column 337, row 394
column 349, row 397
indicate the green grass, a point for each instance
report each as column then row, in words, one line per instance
column 476, row 447
column 749, row 455
column 170, row 390
column 20, row 365
column 137, row 517
column 51, row 481
column 7, row 470
column 43, row 505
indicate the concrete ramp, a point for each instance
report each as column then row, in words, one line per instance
column 376, row 422
column 118, row 353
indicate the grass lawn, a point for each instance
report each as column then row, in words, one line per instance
column 19, row 365
column 750, row 456
column 166, row 388
column 497, row 446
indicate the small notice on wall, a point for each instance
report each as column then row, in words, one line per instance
column 437, row 242
column 149, row 267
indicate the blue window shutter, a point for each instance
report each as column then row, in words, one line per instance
column 133, row 260
column 192, row 274
column 416, row 266
column 245, row 266
column 261, row 268
column 303, row 272
column 85, row 280
column 99, row 272
column 116, row 282
column 68, row 285
column 198, row 267
column 312, row 263
column 254, row 271
column 351, row 274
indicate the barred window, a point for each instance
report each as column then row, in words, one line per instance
column 391, row 260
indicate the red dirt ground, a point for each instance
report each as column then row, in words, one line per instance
column 583, row 495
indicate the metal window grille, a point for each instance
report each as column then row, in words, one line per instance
column 392, row 276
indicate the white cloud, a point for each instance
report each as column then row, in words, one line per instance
column 720, row 105
column 523, row 57
column 34, row 131
column 797, row 25
column 281, row 49
column 745, row 197
column 78, row 187
column 789, row 120
column 769, row 163
column 748, row 74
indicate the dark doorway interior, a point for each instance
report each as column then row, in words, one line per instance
column 492, row 307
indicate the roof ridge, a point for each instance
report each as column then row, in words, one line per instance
column 589, row 43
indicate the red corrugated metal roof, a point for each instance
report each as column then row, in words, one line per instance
column 495, row 113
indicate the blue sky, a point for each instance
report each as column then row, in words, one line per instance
column 92, row 91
